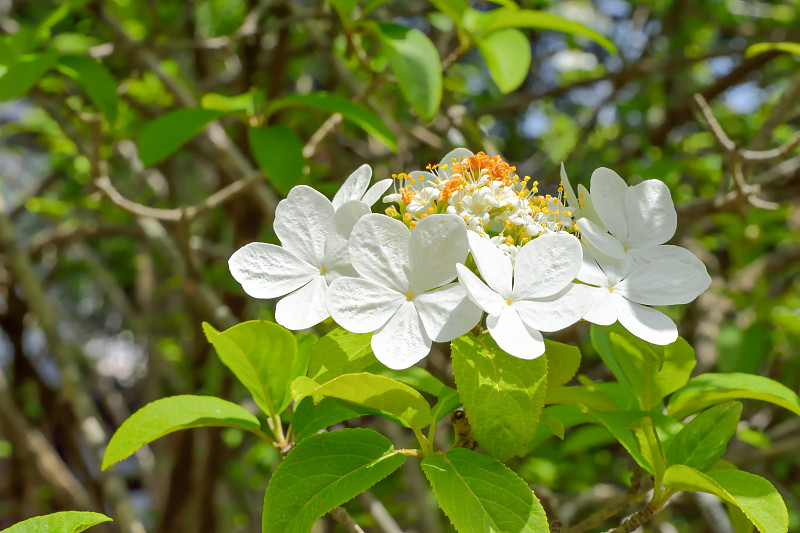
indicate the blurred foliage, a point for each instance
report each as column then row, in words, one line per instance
column 305, row 92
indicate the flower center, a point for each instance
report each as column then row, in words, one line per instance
column 508, row 301
column 611, row 289
column 409, row 296
column 322, row 271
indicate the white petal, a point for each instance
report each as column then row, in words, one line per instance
column 663, row 283
column 379, row 250
column 305, row 307
column 447, row 312
column 646, row 323
column 354, row 186
column 302, row 222
column 588, row 210
column 608, row 197
column 336, row 256
column 495, row 266
column 545, row 265
column 437, row 243
column 603, row 311
column 650, row 214
column 479, row 293
column 360, row 305
column 600, row 243
column 662, row 252
column 268, row 271
column 591, row 272
column 402, row 341
column 458, row 154
column 374, row 193
column 555, row 312
column 569, row 192
column 513, row 337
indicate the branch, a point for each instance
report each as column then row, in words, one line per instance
column 634, row 494
column 343, row 517
column 635, row 521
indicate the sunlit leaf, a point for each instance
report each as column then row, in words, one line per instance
column 63, row 522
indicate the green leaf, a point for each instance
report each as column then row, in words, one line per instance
column 704, row 439
column 63, row 522
column 650, row 447
column 323, row 472
column 454, row 9
column 449, row 401
column 340, row 352
column 753, row 495
column 480, row 494
column 96, row 80
column 387, row 396
column 331, row 103
column 710, row 389
column 263, row 356
column 310, row 418
column 246, row 102
column 23, row 73
column 413, row 376
column 502, row 394
column 619, row 423
column 592, row 398
column 563, row 362
column 508, row 17
column 651, row 372
column 417, row 66
column 344, row 8
column 760, row 48
column 164, row 135
column 279, row 153
column 167, row 415
column 508, row 57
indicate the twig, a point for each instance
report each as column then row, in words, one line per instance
column 385, row 522
column 343, row 517
column 635, row 521
column 634, row 494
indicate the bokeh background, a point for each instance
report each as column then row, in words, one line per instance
column 102, row 299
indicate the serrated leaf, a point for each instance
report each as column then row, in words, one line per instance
column 650, row 372
column 480, row 494
column 760, row 48
column 171, row 414
column 163, row 136
column 563, row 362
column 413, row 376
column 416, row 64
column 753, row 495
column 23, row 72
column 502, row 394
column 279, row 153
column 388, row 397
column 704, row 439
column 309, row 417
column 323, row 472
column 508, row 57
column 351, row 111
column 508, row 17
column 709, row 389
column 96, row 80
column 63, row 522
column 263, row 356
column 340, row 352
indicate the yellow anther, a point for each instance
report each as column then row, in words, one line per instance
column 510, row 240
column 407, row 218
column 409, row 296
column 322, row 271
column 412, row 224
column 391, row 211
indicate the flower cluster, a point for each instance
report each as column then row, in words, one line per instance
column 466, row 237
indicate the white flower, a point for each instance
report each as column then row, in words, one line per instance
column 541, row 297
column 314, row 237
column 640, row 219
column 355, row 188
column 404, row 293
column 621, row 290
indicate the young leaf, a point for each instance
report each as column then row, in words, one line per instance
column 63, row 522
column 651, row 372
column 310, row 418
column 417, row 66
column 508, row 57
column 526, row 18
column 754, row 495
column 503, row 395
column 279, row 153
column 449, row 401
column 331, row 103
column 167, row 415
column 340, row 352
column 651, row 449
column 414, row 376
column 323, row 472
column 262, row 355
column 385, row 395
column 95, row 79
column 23, row 72
column 164, row 135
column 619, row 423
column 704, row 439
column 480, row 494
column 563, row 362
column 709, row 389
column 760, row 48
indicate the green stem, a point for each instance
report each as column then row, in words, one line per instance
column 276, row 424
column 425, row 446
